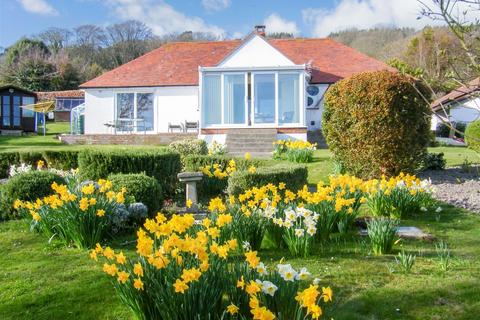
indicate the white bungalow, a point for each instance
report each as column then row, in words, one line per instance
column 256, row 83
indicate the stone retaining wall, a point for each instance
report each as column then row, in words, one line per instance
column 135, row 139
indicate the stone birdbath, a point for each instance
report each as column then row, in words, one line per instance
column 190, row 179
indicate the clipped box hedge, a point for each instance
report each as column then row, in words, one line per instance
column 58, row 159
column 26, row 186
column 294, row 176
column 162, row 164
column 210, row 186
column 143, row 188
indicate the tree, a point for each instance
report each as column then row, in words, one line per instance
column 56, row 38
column 24, row 47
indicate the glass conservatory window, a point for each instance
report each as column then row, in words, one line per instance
column 234, row 98
column 211, row 100
column 264, row 93
column 288, row 98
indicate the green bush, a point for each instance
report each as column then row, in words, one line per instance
column 434, row 161
column 472, row 135
column 162, row 164
column 377, row 123
column 382, row 233
column 211, row 186
column 143, row 188
column 26, row 186
column 188, row 147
column 6, row 160
column 295, row 177
column 31, row 158
column 61, row 159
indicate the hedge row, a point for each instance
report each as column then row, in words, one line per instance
column 294, row 176
column 58, row 159
column 162, row 164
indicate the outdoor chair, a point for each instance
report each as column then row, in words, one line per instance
column 192, row 125
column 175, row 127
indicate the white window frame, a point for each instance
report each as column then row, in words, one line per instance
column 135, row 92
column 302, row 109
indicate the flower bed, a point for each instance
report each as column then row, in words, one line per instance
column 294, row 151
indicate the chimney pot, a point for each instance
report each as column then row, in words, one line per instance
column 260, row 30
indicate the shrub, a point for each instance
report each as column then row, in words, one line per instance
column 6, row 160
column 472, row 135
column 434, row 161
column 184, row 272
column 61, row 159
column 217, row 149
column 162, row 164
column 188, row 147
column 31, row 158
column 212, row 186
column 443, row 130
column 143, row 188
column 295, row 176
column 377, row 123
column 382, row 233
column 82, row 215
column 26, row 186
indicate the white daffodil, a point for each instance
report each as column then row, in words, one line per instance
column 438, row 210
column 262, row 269
column 303, row 274
column 299, row 233
column 269, row 288
column 287, row 272
column 316, row 281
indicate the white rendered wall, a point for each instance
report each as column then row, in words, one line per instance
column 209, row 138
column 176, row 105
column 256, row 52
column 171, row 104
column 98, row 110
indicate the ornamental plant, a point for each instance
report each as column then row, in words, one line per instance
column 295, row 151
column 79, row 215
column 185, row 270
column 377, row 123
column 216, row 149
column 382, row 233
column 472, row 135
column 399, row 196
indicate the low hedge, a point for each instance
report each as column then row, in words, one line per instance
column 210, row 186
column 61, row 159
column 58, row 159
column 294, row 176
column 26, row 186
column 162, row 164
column 143, row 188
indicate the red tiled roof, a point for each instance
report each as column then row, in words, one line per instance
column 177, row 63
column 459, row 93
column 51, row 95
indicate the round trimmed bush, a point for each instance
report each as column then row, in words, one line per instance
column 143, row 188
column 188, row 147
column 26, row 186
column 472, row 135
column 377, row 123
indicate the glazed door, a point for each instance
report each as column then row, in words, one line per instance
column 11, row 112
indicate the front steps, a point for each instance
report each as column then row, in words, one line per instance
column 258, row 142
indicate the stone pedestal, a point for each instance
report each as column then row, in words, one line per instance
column 190, row 179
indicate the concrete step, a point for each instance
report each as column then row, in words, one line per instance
column 258, row 142
column 253, row 154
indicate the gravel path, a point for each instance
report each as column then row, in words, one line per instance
column 454, row 186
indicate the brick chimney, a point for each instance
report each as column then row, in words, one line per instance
column 260, row 30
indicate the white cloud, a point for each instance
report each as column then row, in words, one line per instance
column 215, row 5
column 38, row 6
column 161, row 17
column 274, row 23
column 364, row 14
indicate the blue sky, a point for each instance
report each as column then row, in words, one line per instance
column 227, row 18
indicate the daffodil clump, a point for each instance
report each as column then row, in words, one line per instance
column 185, row 270
column 78, row 215
column 294, row 150
column 217, row 149
column 267, row 294
column 216, row 170
column 399, row 196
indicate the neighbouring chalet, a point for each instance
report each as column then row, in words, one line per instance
column 275, row 85
column 461, row 106
column 65, row 101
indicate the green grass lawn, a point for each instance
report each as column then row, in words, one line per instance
column 36, row 141
column 39, row 280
